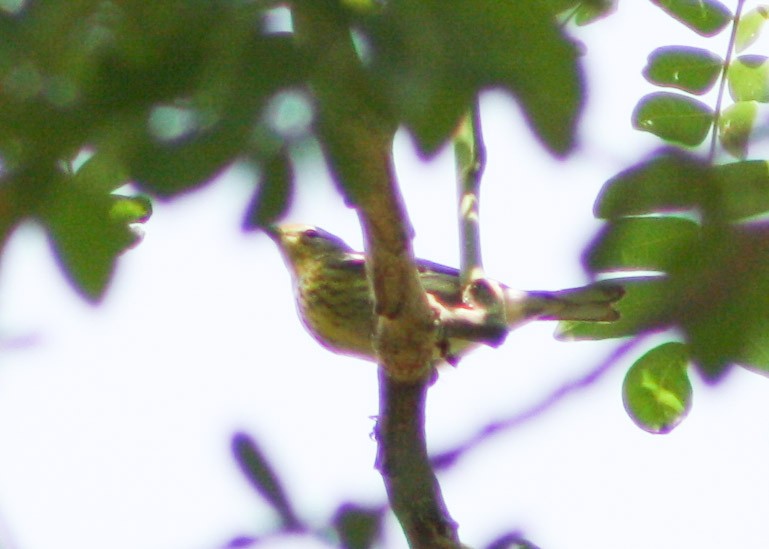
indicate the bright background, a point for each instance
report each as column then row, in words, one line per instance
column 116, row 420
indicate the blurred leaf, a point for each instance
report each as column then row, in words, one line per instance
column 358, row 527
column 667, row 182
column 735, row 126
column 721, row 289
column 557, row 7
column 705, row 17
column 644, row 307
column 656, row 391
column 101, row 172
column 717, row 286
column 273, row 196
column 362, row 6
column 512, row 540
column 260, row 473
column 672, row 182
column 149, row 52
column 85, row 236
column 742, row 188
column 265, row 66
column 750, row 26
column 641, row 244
column 694, row 70
column 242, row 541
column 167, row 169
column 673, row 117
column 10, row 215
column 591, row 11
column 130, row 209
column 431, row 58
column 748, row 78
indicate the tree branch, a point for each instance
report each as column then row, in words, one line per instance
column 470, row 158
column 356, row 134
column 485, row 296
column 412, row 487
column 449, row 457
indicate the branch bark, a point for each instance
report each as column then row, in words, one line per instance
column 356, row 134
column 412, row 487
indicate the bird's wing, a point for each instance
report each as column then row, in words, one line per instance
column 441, row 281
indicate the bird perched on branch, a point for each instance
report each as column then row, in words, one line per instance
column 336, row 304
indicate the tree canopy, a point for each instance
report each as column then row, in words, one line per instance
column 109, row 106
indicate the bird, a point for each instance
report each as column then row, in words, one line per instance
column 335, row 301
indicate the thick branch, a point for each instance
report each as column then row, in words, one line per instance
column 357, row 139
column 407, row 329
column 402, row 459
column 357, row 136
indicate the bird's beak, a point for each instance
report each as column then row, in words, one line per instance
column 274, row 233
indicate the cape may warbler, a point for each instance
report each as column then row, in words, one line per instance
column 335, row 301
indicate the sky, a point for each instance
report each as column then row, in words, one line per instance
column 116, row 419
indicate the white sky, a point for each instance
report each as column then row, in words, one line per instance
column 116, row 420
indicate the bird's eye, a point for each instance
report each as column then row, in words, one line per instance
column 311, row 233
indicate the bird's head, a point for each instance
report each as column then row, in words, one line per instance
column 302, row 245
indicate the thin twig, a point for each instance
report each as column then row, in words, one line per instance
column 722, row 84
column 470, row 158
column 485, row 296
column 447, row 458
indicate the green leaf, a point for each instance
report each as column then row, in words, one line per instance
column 10, row 215
column 694, row 70
column 431, row 58
column 358, row 527
column 750, row 26
column 716, row 291
column 85, row 236
column 274, row 193
column 656, row 392
column 742, row 188
column 511, row 540
column 671, row 182
column 721, row 297
column 667, row 182
column 589, row 12
column 169, row 169
column 705, row 17
column 748, row 78
column 130, row 209
column 217, row 124
column 584, row 12
column 258, row 470
column 674, row 118
column 557, row 7
column 735, row 126
column 101, row 172
column 641, row 244
column 644, row 307
column 754, row 354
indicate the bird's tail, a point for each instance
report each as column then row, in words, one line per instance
column 590, row 303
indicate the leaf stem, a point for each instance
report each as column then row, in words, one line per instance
column 470, row 154
column 722, row 84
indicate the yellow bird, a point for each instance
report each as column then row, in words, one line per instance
column 336, row 304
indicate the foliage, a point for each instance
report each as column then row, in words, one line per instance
column 691, row 226
column 105, row 104
column 165, row 95
column 109, row 103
